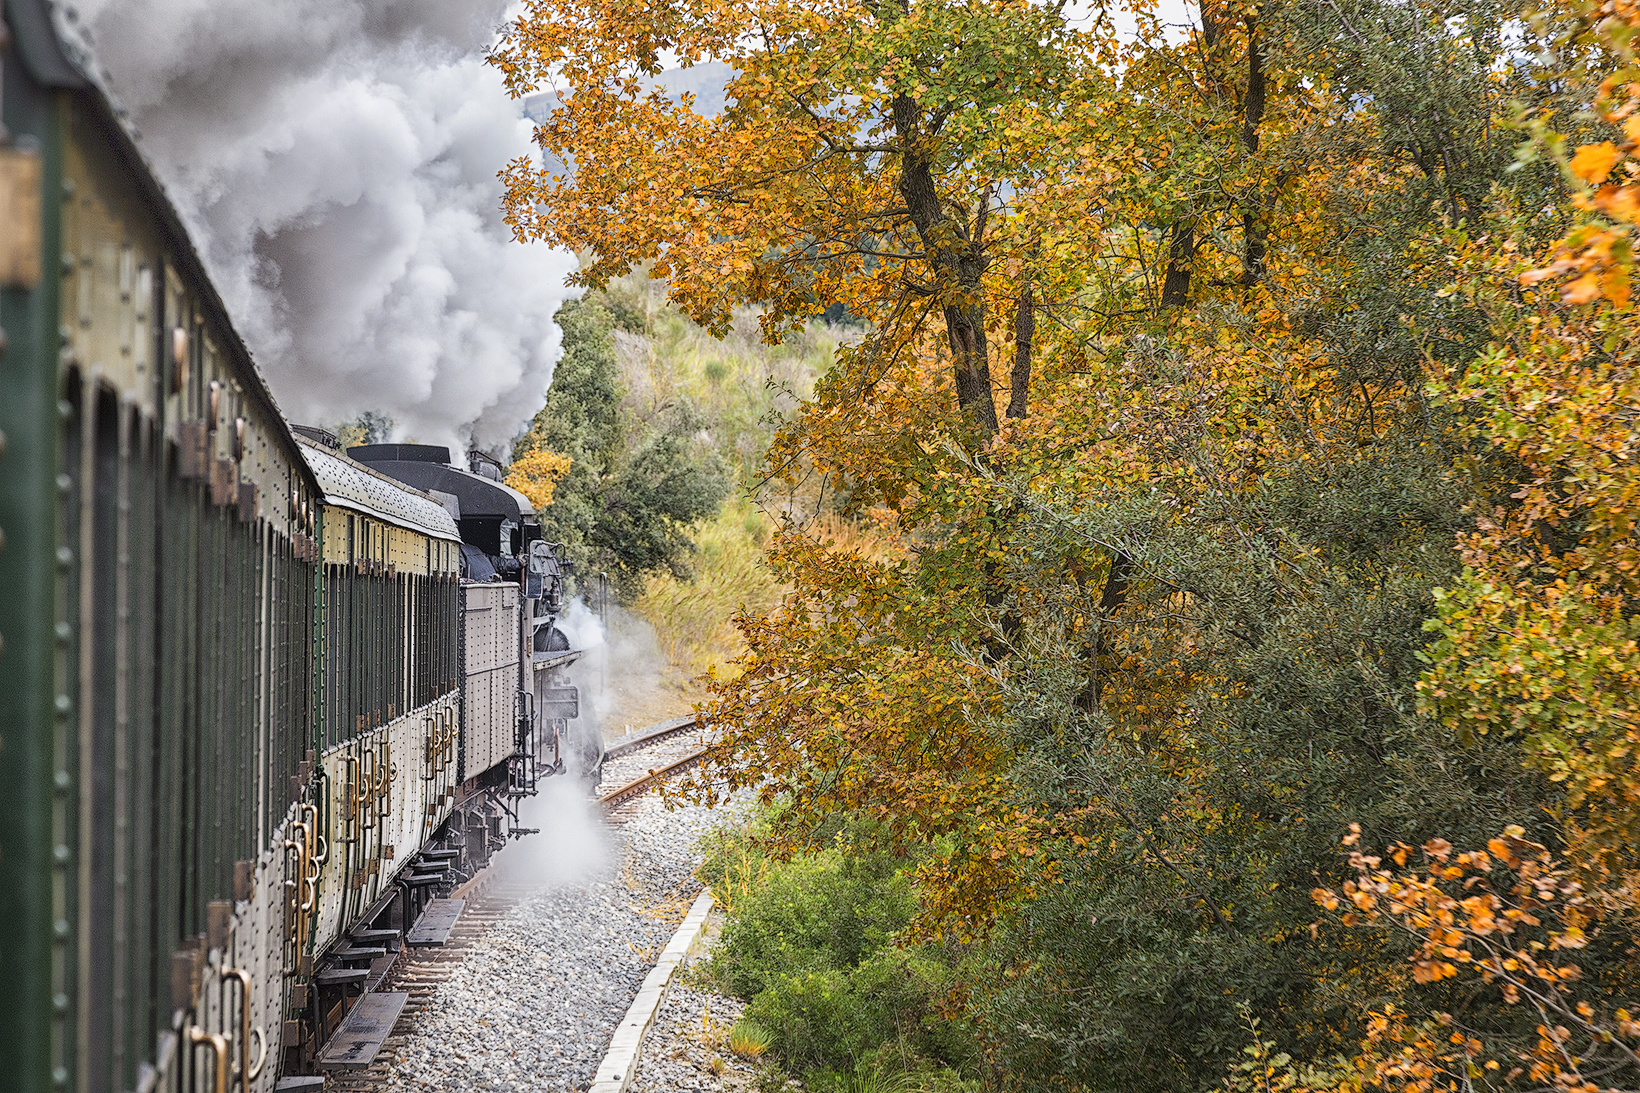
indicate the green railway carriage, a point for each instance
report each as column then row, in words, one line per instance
column 258, row 700
column 391, row 707
column 158, row 609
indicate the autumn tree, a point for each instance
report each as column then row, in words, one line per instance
column 868, row 156
column 536, row 475
column 1536, row 636
column 1132, row 658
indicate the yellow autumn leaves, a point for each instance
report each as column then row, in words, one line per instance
column 537, row 474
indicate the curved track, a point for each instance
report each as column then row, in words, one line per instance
column 638, row 786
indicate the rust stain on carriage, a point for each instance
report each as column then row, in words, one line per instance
column 224, row 482
column 191, row 454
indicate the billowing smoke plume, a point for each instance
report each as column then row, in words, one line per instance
column 337, row 160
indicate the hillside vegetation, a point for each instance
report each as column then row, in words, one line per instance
column 648, row 458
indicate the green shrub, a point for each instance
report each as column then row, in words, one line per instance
column 893, row 1068
column 810, row 942
column 827, row 1019
column 826, row 911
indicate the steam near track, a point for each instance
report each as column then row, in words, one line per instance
column 557, row 938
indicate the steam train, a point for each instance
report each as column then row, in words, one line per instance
column 262, row 700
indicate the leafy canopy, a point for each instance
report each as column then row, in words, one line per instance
column 1311, row 504
column 868, row 155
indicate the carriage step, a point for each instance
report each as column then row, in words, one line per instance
column 436, row 922
column 367, row 1026
column 387, row 938
column 361, row 952
column 346, row 977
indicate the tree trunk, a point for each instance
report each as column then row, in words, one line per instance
column 1181, row 250
column 1103, row 650
column 1024, row 331
column 1255, row 231
column 957, row 266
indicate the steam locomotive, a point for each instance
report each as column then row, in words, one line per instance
column 262, row 700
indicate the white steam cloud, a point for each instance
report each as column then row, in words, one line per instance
column 337, row 161
column 581, row 625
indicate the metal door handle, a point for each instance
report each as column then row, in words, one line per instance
column 350, row 799
column 387, row 773
column 364, row 791
column 261, row 1055
column 219, row 1048
column 306, row 870
column 245, row 1071
column 318, row 849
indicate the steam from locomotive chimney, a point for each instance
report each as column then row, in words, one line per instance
column 338, row 160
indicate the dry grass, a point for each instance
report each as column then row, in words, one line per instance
column 692, row 618
column 870, row 537
column 745, row 870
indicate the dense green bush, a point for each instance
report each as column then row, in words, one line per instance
column 810, row 943
column 636, row 483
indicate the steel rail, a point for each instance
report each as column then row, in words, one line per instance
column 654, row 778
column 655, row 733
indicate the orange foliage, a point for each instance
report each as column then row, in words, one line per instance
column 537, row 474
column 1541, row 636
column 1511, row 916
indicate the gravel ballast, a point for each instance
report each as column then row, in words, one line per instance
column 688, row 1049
column 533, row 1005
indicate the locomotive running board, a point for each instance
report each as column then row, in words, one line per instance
column 367, row 1027
column 436, row 922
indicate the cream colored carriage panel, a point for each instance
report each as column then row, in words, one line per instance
column 407, row 552
column 111, row 280
column 335, row 536
column 118, row 293
column 333, row 873
column 357, row 872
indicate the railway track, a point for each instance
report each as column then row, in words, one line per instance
column 639, row 763
column 645, row 738
column 614, row 801
column 421, row 971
